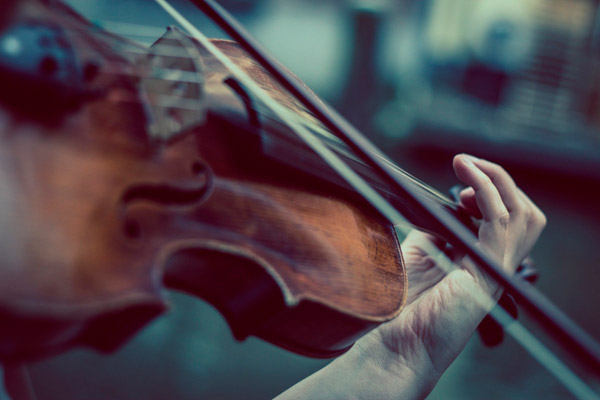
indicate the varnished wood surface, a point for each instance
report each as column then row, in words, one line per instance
column 96, row 217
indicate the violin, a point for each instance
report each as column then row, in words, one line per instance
column 155, row 168
column 112, row 197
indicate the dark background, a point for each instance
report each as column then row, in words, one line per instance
column 511, row 81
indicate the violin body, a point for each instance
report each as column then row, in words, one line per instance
column 113, row 195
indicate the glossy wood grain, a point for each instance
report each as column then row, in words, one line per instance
column 98, row 218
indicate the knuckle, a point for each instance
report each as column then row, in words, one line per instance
column 523, row 209
column 497, row 171
column 540, row 218
column 503, row 219
column 537, row 219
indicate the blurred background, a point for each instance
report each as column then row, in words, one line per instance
column 514, row 81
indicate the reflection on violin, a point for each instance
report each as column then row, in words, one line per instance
column 154, row 168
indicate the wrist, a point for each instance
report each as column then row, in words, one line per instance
column 368, row 370
column 406, row 372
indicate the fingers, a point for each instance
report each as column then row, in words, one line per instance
column 487, row 195
column 503, row 182
column 467, row 199
column 512, row 223
column 516, row 202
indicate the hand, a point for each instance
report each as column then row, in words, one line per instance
column 442, row 311
column 405, row 357
column 512, row 223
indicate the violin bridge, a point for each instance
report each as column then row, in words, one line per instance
column 174, row 86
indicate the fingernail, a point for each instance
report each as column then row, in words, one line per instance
column 467, row 191
column 469, row 160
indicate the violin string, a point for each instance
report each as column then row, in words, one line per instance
column 167, row 101
column 130, row 45
column 189, row 76
column 565, row 332
column 163, row 100
column 170, row 104
column 131, row 68
column 132, row 30
column 351, row 177
column 163, row 74
column 176, row 51
column 171, row 50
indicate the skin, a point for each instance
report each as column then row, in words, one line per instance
column 405, row 357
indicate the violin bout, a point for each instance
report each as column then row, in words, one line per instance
column 100, row 215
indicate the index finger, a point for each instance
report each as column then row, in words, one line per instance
column 508, row 190
column 488, row 197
